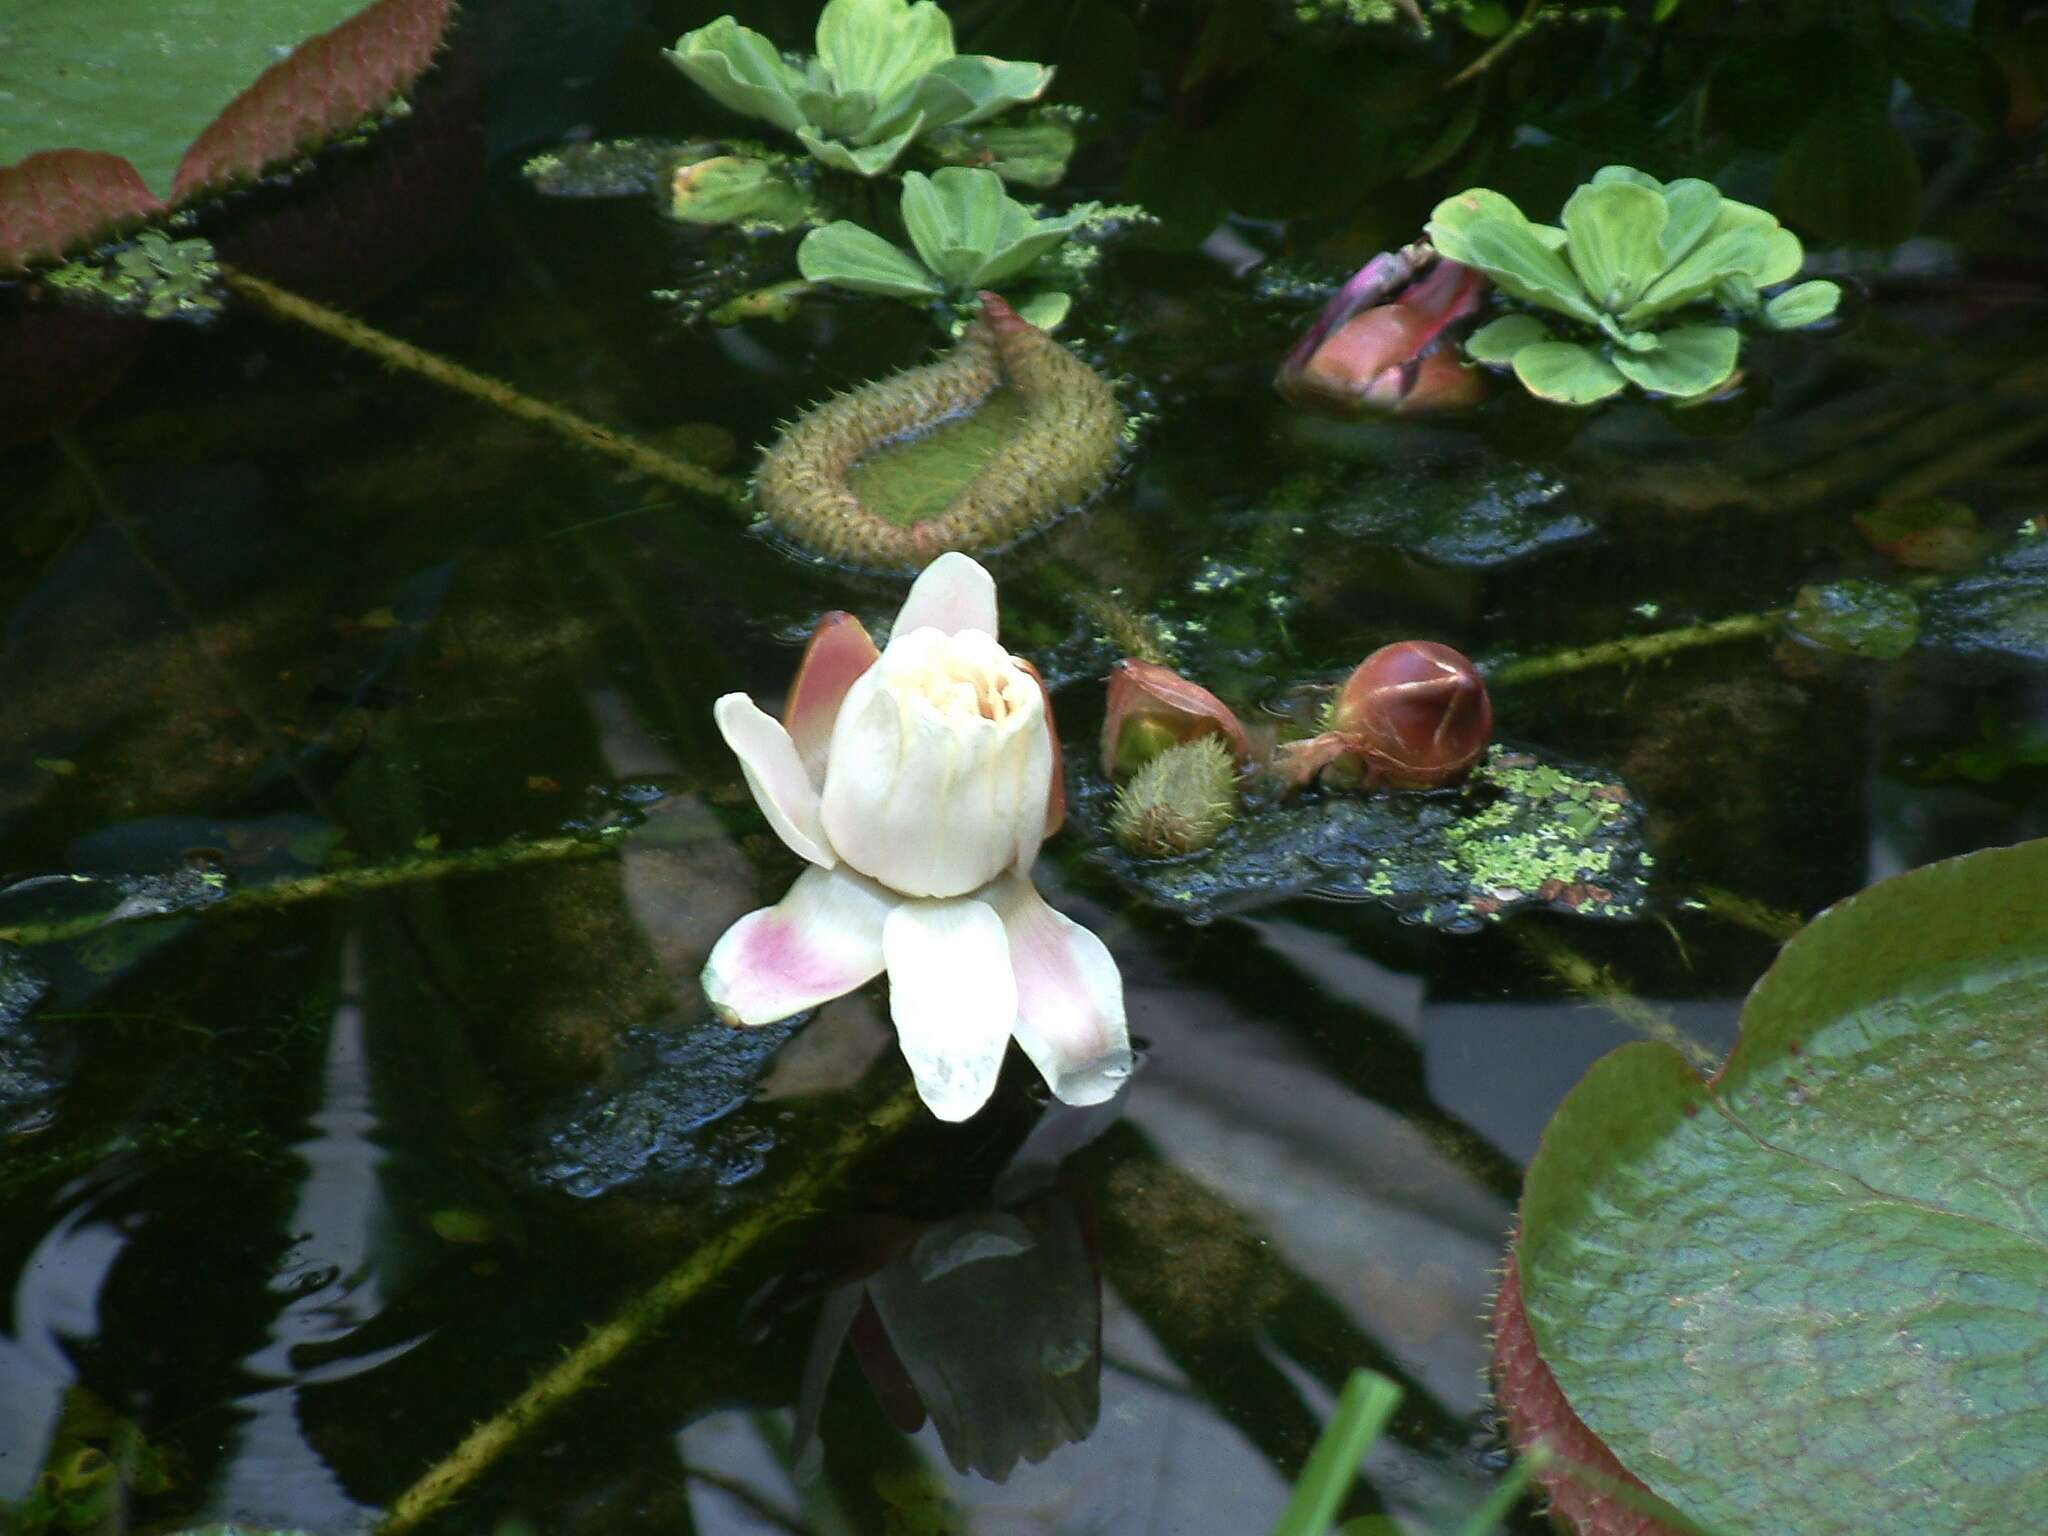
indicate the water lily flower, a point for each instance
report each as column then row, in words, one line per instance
column 919, row 781
column 1413, row 715
column 1379, row 345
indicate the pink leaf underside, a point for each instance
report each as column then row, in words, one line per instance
column 952, row 594
column 838, row 653
column 1535, row 1408
column 58, row 201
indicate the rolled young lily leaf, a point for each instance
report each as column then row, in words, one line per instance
column 1803, row 304
column 1567, row 373
column 848, row 256
column 1690, row 360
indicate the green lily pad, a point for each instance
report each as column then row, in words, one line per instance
column 113, row 112
column 1857, row 618
column 1520, row 832
column 1807, row 1296
column 1566, row 373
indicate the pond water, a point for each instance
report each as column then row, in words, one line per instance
column 299, row 1191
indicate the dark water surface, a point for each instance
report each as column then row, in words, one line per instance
column 292, row 1198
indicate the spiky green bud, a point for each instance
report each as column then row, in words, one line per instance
column 1178, row 802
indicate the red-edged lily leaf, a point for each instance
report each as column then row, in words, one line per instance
column 113, row 113
column 1807, row 1295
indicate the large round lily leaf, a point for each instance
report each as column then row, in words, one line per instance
column 1812, row 1295
column 114, row 111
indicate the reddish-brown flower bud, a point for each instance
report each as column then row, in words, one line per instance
column 1152, row 708
column 1417, row 713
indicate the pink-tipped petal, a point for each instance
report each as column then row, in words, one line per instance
column 953, row 594
column 776, row 775
column 1056, row 793
column 1070, row 996
column 823, row 939
column 838, row 653
column 953, row 998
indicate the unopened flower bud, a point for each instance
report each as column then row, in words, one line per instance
column 1380, row 344
column 1417, row 712
column 1178, row 802
column 1152, row 708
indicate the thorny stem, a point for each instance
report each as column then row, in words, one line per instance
column 638, row 1319
column 1635, row 648
column 584, row 433
column 1597, row 984
column 339, row 882
column 1747, row 912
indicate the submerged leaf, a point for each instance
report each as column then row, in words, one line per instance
column 1857, row 618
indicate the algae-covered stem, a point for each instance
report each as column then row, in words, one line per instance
column 586, row 434
column 502, row 1431
column 1636, row 648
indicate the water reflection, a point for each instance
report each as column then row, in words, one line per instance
column 331, row 1273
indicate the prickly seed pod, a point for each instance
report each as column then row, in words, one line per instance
column 1178, row 802
column 1417, row 712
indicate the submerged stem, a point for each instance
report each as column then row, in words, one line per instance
column 641, row 1316
column 283, row 304
column 1597, row 984
column 335, row 883
column 1632, row 648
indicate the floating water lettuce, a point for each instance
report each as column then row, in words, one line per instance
column 1630, row 271
column 969, row 235
column 1806, row 1295
column 113, row 113
column 1521, row 832
column 885, row 73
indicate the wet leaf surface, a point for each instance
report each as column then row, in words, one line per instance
column 1808, row 1294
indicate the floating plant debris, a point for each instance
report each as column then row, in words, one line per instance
column 1523, row 831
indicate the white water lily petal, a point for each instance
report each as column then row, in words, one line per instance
column 953, row 999
column 940, row 768
column 775, row 773
column 952, row 594
column 823, row 939
column 1070, row 996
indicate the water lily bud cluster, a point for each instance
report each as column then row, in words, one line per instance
column 1384, row 344
column 1413, row 715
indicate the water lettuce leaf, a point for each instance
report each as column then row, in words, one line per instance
column 1806, row 1295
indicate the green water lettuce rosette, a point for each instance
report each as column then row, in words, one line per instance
column 885, row 73
column 969, row 234
column 1631, row 268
